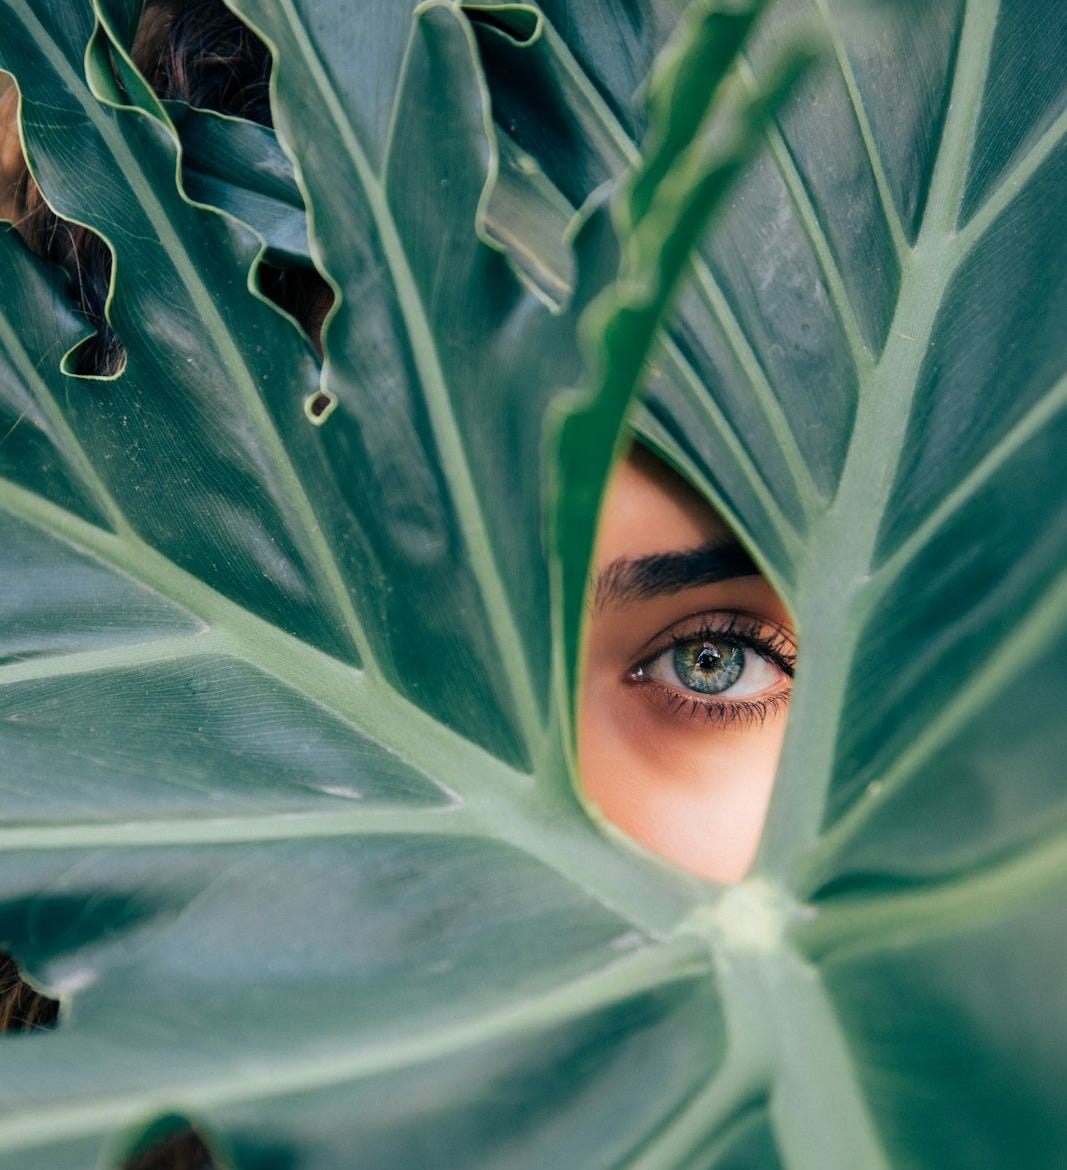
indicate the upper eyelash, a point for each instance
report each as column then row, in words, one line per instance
column 779, row 647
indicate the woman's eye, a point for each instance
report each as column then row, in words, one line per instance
column 708, row 667
column 712, row 666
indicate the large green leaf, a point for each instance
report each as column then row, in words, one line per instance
column 287, row 820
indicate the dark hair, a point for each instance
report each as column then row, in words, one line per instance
column 21, row 1008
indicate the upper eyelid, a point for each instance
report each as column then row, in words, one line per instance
column 663, row 640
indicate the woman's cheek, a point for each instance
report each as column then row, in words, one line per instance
column 692, row 791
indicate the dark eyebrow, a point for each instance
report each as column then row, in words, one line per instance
column 645, row 577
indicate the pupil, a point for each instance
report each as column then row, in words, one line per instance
column 709, row 667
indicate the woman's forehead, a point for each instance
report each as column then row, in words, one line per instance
column 650, row 509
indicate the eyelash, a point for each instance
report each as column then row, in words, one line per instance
column 736, row 629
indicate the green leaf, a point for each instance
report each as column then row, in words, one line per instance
column 287, row 823
column 239, row 168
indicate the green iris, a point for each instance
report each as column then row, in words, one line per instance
column 709, row 667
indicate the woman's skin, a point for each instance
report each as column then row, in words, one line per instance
column 689, row 660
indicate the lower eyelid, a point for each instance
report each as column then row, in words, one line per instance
column 725, row 712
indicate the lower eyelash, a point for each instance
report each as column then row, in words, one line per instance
column 738, row 713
